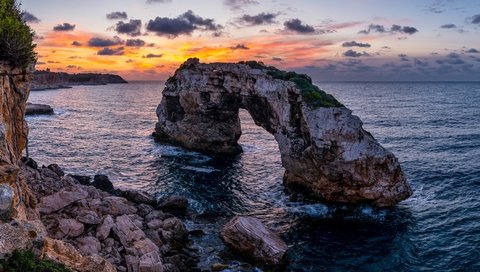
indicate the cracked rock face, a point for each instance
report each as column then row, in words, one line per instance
column 324, row 150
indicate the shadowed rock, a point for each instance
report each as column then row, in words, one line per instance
column 249, row 237
column 324, row 149
column 38, row 109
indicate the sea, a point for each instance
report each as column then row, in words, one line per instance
column 432, row 127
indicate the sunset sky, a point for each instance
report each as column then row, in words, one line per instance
column 330, row 40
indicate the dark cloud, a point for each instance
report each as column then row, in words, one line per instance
column 410, row 30
column 184, row 24
column 131, row 28
column 472, row 50
column 297, row 26
column 30, row 18
column 239, row 46
column 259, row 19
column 150, row 56
column 116, row 15
column 75, row 43
column 64, row 27
column 448, row 26
column 101, row 42
column 135, row 43
column 354, row 54
column 111, row 51
column 277, row 59
column 453, row 55
column 475, row 19
column 420, row 63
column 354, row 43
column 403, row 57
column 239, row 4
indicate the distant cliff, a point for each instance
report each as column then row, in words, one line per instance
column 43, row 80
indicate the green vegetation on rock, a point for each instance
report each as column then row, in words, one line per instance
column 27, row 261
column 16, row 37
column 311, row 94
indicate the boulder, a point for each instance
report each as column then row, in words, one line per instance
column 139, row 197
column 69, row 228
column 84, row 180
column 38, row 109
column 89, row 217
column 104, row 230
column 116, row 206
column 249, row 237
column 7, row 195
column 88, row 245
column 55, row 168
column 102, row 182
column 61, row 199
column 324, row 149
column 174, row 204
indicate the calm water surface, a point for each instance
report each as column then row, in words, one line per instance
column 433, row 128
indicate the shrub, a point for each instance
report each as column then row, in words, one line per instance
column 16, row 37
column 27, row 261
column 312, row 95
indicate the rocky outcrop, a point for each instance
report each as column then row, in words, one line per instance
column 44, row 80
column 38, row 109
column 249, row 237
column 132, row 236
column 324, row 149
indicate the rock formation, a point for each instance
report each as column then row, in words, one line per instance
column 324, row 149
column 38, row 109
column 249, row 237
column 44, row 80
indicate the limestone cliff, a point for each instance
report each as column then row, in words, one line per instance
column 324, row 149
column 14, row 92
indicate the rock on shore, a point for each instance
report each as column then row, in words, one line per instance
column 131, row 236
column 324, row 149
column 38, row 109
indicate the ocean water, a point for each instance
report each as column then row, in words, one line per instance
column 433, row 128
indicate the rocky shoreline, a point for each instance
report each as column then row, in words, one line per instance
column 46, row 80
column 124, row 228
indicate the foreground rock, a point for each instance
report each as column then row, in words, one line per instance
column 129, row 234
column 324, row 149
column 249, row 237
column 38, row 109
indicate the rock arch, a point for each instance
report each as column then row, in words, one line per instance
column 324, row 149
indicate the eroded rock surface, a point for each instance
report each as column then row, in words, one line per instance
column 249, row 237
column 324, row 149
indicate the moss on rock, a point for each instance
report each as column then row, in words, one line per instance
column 27, row 261
column 312, row 95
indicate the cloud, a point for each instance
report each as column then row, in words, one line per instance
column 117, row 15
column 420, row 63
column 239, row 46
column 277, row 59
column 150, row 56
column 354, row 43
column 132, row 28
column 158, row 1
column 184, row 24
column 75, row 43
column 259, row 19
column 403, row 57
column 472, row 50
column 135, row 43
column 475, row 19
column 410, row 30
column 448, row 26
column 101, row 42
column 354, row 54
column 296, row 25
column 236, row 5
column 30, row 18
column 111, row 51
column 64, row 27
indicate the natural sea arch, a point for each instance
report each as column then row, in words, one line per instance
column 323, row 147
